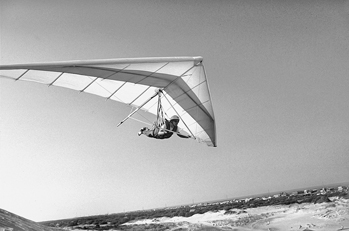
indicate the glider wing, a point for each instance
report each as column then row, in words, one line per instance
column 132, row 81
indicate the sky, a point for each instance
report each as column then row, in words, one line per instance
column 278, row 76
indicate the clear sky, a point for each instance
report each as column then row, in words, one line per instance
column 279, row 79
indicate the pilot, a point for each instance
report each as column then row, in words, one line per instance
column 165, row 131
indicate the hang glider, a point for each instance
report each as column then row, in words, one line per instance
column 182, row 81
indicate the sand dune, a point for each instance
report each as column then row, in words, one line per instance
column 330, row 216
column 325, row 214
column 13, row 222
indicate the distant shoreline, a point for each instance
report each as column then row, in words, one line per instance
column 262, row 194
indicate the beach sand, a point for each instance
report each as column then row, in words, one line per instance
column 327, row 216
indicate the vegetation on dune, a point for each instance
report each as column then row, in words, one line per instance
column 116, row 221
column 13, row 222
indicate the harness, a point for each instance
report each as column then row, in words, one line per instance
column 168, row 134
column 160, row 121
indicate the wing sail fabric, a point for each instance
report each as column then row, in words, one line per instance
column 133, row 81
